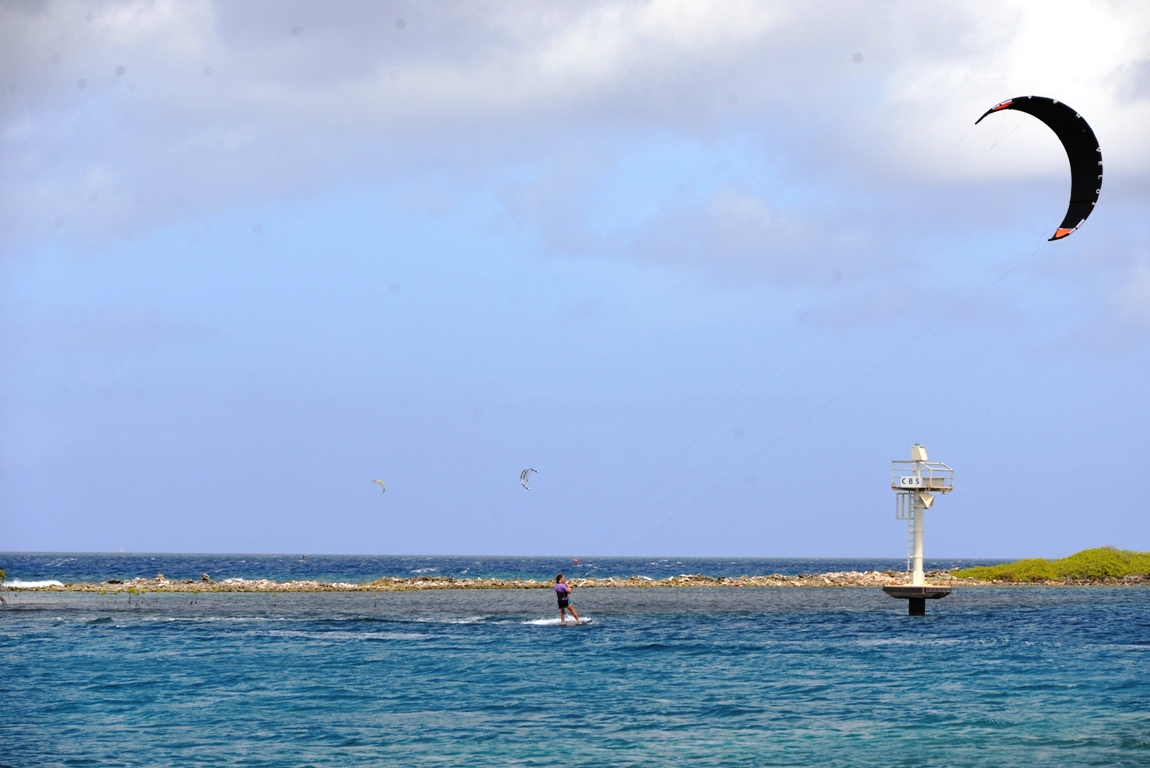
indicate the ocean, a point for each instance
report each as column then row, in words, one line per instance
column 34, row 568
column 695, row 676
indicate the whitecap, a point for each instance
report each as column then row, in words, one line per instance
column 452, row 620
column 21, row 584
column 206, row 619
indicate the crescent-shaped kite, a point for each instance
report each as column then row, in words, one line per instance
column 1082, row 151
column 524, row 475
column 382, row 485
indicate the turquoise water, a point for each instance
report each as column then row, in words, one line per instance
column 744, row 677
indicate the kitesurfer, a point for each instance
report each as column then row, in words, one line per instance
column 563, row 592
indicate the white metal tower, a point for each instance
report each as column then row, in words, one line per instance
column 916, row 482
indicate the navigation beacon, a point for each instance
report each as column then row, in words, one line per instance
column 915, row 483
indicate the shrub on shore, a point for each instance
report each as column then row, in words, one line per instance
column 1095, row 564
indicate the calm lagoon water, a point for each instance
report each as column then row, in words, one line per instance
column 721, row 676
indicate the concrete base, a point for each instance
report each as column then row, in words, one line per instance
column 916, row 597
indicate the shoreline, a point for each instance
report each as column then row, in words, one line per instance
column 408, row 584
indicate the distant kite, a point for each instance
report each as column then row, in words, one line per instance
column 524, row 475
column 1082, row 151
column 382, row 485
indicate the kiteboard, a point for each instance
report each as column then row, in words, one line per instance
column 556, row 623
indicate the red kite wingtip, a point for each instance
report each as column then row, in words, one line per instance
column 1060, row 233
column 1000, row 105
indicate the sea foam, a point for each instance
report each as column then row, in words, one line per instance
column 21, row 584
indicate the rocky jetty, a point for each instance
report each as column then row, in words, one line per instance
column 403, row 584
column 406, row 584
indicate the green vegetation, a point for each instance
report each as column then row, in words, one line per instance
column 1088, row 565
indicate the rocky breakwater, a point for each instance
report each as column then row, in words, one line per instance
column 404, row 584
column 161, row 583
column 1135, row 580
column 831, row 579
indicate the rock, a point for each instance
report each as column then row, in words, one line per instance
column 398, row 584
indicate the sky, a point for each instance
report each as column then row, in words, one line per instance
column 707, row 267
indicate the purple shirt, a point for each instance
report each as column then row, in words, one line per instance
column 562, row 589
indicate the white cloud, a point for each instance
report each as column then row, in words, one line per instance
column 469, row 90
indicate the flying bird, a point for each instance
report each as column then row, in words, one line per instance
column 382, row 485
column 524, row 475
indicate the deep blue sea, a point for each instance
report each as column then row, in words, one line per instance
column 23, row 567
column 993, row 676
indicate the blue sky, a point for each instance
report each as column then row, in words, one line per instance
column 708, row 269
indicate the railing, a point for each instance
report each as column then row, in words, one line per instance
column 904, row 510
column 903, row 506
column 921, row 476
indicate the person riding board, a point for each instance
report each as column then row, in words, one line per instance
column 563, row 592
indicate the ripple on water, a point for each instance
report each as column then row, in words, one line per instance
column 719, row 676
